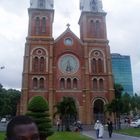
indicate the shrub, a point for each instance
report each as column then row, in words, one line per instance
column 38, row 109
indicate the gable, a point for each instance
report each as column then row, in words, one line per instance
column 68, row 33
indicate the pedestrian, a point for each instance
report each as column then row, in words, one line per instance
column 58, row 124
column 97, row 127
column 110, row 127
column 22, row 128
column 79, row 125
column 129, row 121
column 101, row 130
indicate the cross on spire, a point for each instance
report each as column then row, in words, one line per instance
column 68, row 25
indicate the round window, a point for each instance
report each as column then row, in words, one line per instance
column 68, row 41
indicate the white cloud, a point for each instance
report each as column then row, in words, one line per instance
column 123, row 20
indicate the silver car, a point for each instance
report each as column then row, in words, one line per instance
column 135, row 123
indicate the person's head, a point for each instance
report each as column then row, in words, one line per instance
column 22, row 128
column 97, row 121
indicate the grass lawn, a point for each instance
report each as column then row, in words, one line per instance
column 60, row 136
column 2, row 136
column 130, row 131
column 68, row 136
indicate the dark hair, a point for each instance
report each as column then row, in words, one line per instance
column 18, row 120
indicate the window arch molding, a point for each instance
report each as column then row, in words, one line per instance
column 38, row 77
column 37, row 24
column 75, row 82
column 98, row 85
column 43, row 24
column 45, row 56
column 38, row 81
column 62, row 82
column 94, row 20
column 39, row 47
column 69, row 82
column 105, row 101
column 41, row 83
column 101, row 84
column 91, row 57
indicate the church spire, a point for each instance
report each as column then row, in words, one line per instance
column 91, row 5
column 41, row 4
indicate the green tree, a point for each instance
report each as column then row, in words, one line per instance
column 38, row 109
column 67, row 111
column 118, row 90
column 126, row 104
column 8, row 101
column 116, row 105
column 135, row 104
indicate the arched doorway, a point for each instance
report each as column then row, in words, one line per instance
column 98, row 110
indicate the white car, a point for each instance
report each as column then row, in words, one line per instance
column 3, row 120
column 135, row 123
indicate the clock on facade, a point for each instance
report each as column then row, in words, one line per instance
column 68, row 41
column 68, row 64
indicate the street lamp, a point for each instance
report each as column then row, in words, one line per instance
column 2, row 67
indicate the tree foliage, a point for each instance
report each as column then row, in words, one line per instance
column 38, row 109
column 123, row 103
column 9, row 99
column 67, row 111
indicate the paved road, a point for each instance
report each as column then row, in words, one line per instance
column 3, row 126
column 106, row 137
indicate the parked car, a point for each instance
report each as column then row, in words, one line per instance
column 3, row 120
column 135, row 123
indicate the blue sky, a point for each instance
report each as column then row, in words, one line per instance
column 123, row 26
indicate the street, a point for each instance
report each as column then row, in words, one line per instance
column 106, row 137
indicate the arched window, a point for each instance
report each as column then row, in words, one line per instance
column 68, row 83
column 42, row 64
column 43, row 24
column 101, row 84
column 97, row 28
column 91, row 29
column 100, row 65
column 35, row 64
column 75, row 83
column 62, row 83
column 94, row 66
column 35, row 84
column 95, row 84
column 41, row 83
column 41, row 3
column 37, row 25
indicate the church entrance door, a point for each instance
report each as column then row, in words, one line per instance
column 98, row 110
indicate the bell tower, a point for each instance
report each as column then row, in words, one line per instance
column 92, row 21
column 98, row 70
column 38, row 56
column 41, row 16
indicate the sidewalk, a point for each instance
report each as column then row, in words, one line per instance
column 106, row 137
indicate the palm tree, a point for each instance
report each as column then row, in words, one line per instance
column 116, row 105
column 66, row 109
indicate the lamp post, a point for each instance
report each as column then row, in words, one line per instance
column 2, row 67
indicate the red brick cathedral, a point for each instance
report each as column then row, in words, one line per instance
column 68, row 66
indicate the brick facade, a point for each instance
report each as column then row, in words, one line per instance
column 68, row 66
